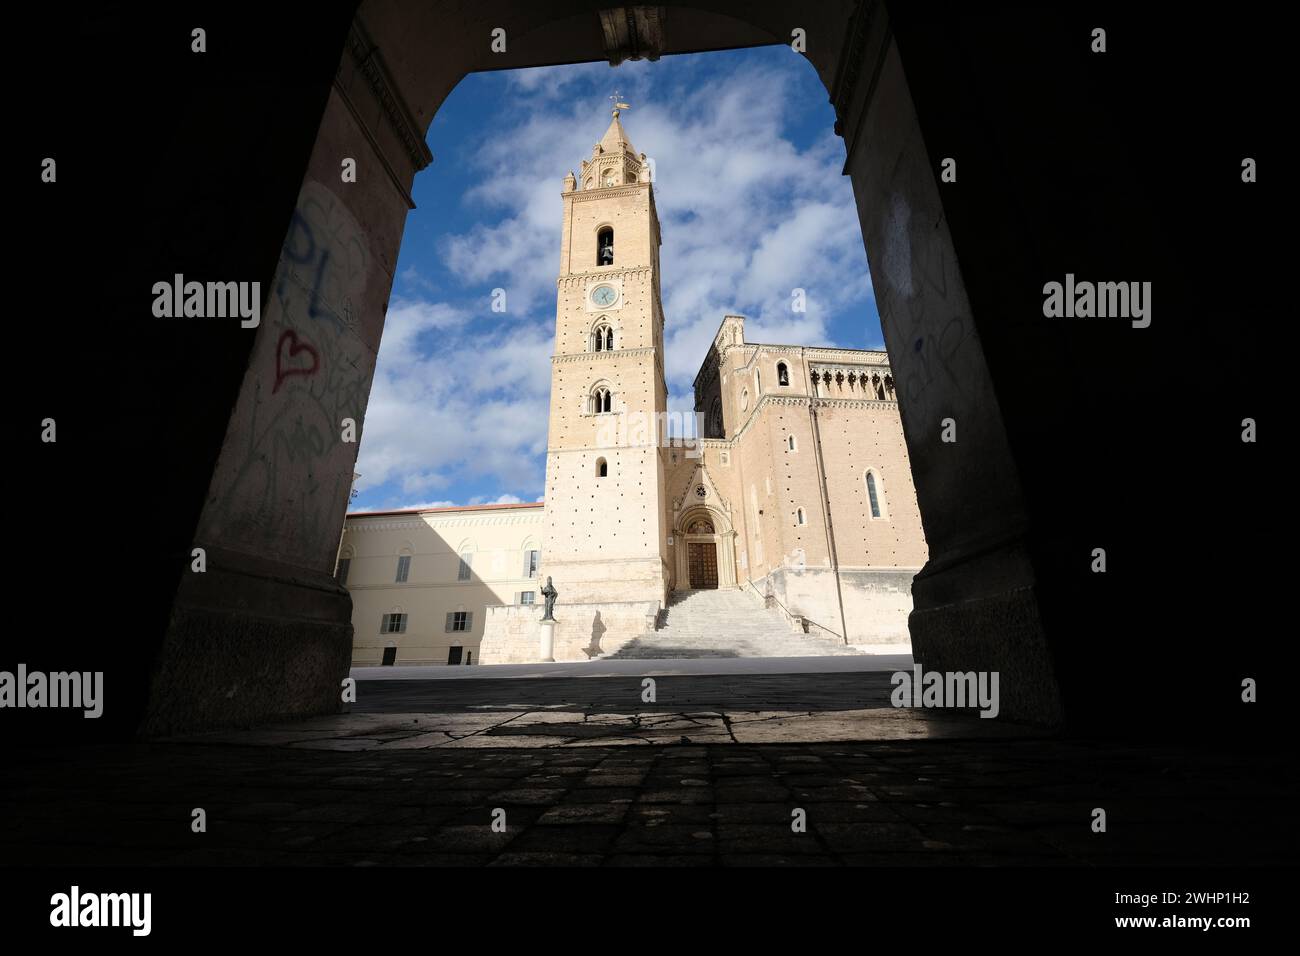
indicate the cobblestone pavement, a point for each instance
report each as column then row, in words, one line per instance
column 772, row 692
column 581, row 712
column 711, row 772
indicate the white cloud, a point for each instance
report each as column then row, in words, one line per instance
column 415, row 507
column 462, row 394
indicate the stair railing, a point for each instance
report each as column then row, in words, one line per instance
column 798, row 620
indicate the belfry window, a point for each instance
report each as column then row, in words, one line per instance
column 602, row 400
column 782, row 374
column 602, row 339
column 605, row 246
column 602, row 468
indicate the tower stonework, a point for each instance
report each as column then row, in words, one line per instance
column 604, row 523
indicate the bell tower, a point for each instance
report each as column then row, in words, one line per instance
column 605, row 525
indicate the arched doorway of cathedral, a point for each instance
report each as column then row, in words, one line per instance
column 705, row 552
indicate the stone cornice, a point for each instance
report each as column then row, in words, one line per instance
column 847, row 359
column 605, row 192
column 581, row 278
column 370, row 64
column 852, row 403
column 603, row 355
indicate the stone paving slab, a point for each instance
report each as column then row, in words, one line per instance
column 551, row 728
column 931, row 802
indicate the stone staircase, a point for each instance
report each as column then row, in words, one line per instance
column 724, row 623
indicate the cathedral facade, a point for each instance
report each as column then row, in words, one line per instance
column 797, row 490
column 793, row 487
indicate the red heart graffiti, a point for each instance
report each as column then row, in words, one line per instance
column 281, row 373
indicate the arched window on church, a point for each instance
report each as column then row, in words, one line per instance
column 602, row 338
column 790, row 443
column 715, row 419
column 782, row 374
column 875, row 495
column 602, row 400
column 800, row 517
column 605, row 246
column 602, row 468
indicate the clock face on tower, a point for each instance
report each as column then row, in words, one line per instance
column 604, row 295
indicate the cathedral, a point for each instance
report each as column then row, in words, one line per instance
column 793, row 494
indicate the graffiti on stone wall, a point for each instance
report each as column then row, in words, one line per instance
column 926, row 329
column 284, row 476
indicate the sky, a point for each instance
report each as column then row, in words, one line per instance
column 752, row 204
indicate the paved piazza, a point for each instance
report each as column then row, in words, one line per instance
column 711, row 773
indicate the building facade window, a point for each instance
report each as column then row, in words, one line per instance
column 403, row 568
column 605, row 246
column 531, row 560
column 800, row 517
column 782, row 374
column 875, row 496
column 602, row 468
column 458, row 621
column 345, row 565
column 790, row 443
column 602, row 400
column 393, row 624
column 527, row 597
column 602, row 338
column 464, row 570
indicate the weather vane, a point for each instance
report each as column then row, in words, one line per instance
column 618, row 105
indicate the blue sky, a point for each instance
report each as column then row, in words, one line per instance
column 752, row 202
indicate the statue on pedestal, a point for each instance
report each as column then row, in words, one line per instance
column 549, row 594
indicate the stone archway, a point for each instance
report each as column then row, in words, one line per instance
column 397, row 63
column 1011, row 509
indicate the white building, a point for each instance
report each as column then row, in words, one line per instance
column 420, row 580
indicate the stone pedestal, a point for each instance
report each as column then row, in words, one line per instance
column 547, row 651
